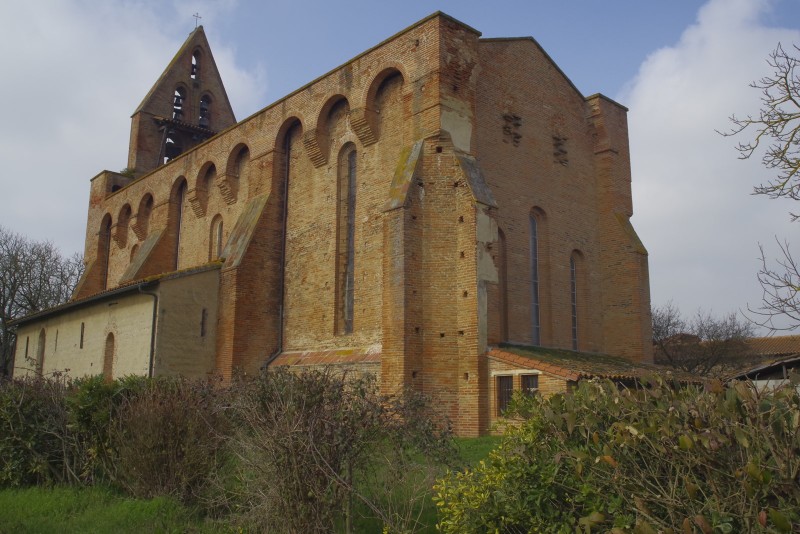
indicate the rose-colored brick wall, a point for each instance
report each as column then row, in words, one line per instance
column 434, row 279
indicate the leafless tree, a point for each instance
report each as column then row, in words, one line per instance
column 777, row 139
column 703, row 345
column 33, row 276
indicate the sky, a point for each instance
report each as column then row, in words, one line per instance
column 73, row 71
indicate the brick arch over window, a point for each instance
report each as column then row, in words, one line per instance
column 539, row 276
column 318, row 140
column 386, row 89
column 142, row 224
column 203, row 189
column 176, row 219
column 237, row 173
column 120, row 233
column 104, row 250
column 285, row 148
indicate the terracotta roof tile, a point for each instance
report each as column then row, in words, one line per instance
column 350, row 355
column 775, row 346
column 573, row 365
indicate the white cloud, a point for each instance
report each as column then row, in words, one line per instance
column 73, row 73
column 694, row 210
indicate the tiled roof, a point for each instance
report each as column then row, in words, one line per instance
column 763, row 364
column 124, row 287
column 774, row 346
column 351, row 355
column 573, row 365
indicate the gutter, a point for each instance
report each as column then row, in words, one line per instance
column 82, row 302
column 152, row 328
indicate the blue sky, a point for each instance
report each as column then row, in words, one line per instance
column 74, row 71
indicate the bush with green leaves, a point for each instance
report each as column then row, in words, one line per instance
column 33, row 430
column 92, row 405
column 655, row 459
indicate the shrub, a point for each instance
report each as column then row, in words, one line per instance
column 307, row 445
column 653, row 459
column 92, row 404
column 167, row 439
column 33, row 432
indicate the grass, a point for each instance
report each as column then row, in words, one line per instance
column 99, row 510
column 92, row 510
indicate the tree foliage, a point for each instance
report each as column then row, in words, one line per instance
column 655, row 459
column 704, row 344
column 776, row 138
column 33, row 276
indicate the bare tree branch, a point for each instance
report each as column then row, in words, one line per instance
column 704, row 345
column 33, row 277
column 780, row 285
column 777, row 135
column 777, row 126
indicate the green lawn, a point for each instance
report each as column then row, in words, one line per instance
column 91, row 510
column 99, row 510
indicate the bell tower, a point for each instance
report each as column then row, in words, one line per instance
column 187, row 105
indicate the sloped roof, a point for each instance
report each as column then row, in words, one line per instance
column 574, row 365
column 124, row 287
column 352, row 355
column 764, row 365
column 774, row 346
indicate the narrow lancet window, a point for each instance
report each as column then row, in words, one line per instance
column 215, row 239
column 346, row 240
column 536, row 330
column 180, row 202
column 573, row 283
column 104, row 250
column 195, row 72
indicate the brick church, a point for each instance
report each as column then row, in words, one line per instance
column 447, row 212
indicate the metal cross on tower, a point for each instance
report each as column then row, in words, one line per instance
column 197, row 18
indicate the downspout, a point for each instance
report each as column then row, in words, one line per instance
column 282, row 269
column 152, row 328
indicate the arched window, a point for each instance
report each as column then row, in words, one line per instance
column 204, row 117
column 108, row 358
column 577, row 291
column 143, row 216
column 215, row 238
column 536, row 325
column 40, row 352
column 123, row 221
column 346, row 230
column 104, row 250
column 177, row 207
column 178, row 99
column 497, row 294
column 194, row 73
